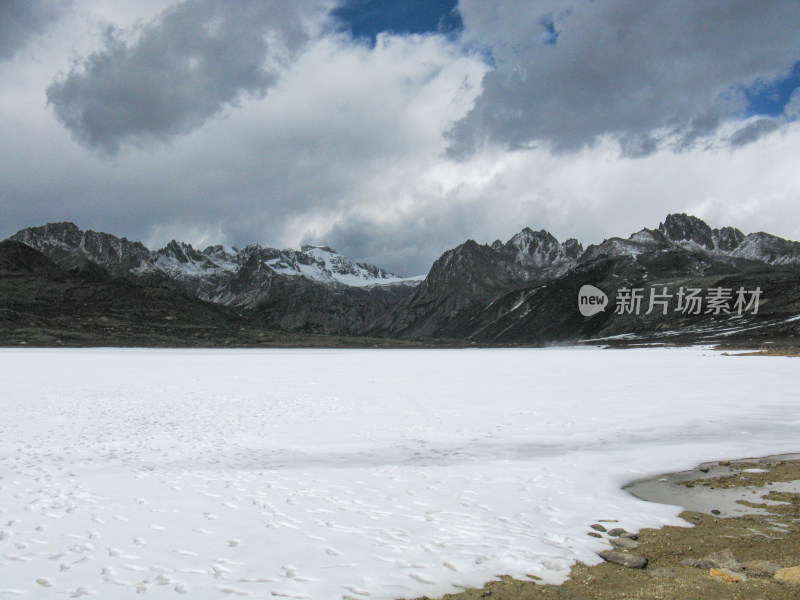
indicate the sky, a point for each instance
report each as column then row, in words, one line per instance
column 393, row 130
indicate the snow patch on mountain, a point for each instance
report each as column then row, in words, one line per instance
column 203, row 273
column 328, row 266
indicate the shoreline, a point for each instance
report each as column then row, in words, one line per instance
column 741, row 541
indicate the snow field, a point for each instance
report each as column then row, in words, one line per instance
column 329, row 474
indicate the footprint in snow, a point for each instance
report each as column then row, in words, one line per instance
column 230, row 590
column 135, row 568
column 82, row 591
column 283, row 594
column 355, row 590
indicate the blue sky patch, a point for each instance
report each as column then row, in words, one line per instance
column 550, row 36
column 365, row 19
column 769, row 98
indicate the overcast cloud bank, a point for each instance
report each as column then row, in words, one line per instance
column 267, row 122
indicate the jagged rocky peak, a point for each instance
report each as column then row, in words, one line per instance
column 322, row 264
column 683, row 228
column 727, row 239
column 473, row 261
column 221, row 251
column 768, row 248
column 460, row 259
column 68, row 234
column 69, row 247
column 642, row 242
column 686, row 228
column 529, row 242
column 649, row 237
column 541, row 248
column 182, row 252
column 573, row 248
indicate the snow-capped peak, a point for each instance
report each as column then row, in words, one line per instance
column 540, row 248
column 321, row 263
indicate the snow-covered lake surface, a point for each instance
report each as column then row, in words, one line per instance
column 330, row 474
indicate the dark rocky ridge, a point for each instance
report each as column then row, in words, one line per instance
column 43, row 304
column 523, row 291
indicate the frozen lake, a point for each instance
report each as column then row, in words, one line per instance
column 329, row 474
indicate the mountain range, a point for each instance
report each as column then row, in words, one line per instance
column 523, row 291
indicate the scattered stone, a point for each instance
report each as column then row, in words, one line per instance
column 726, row 575
column 761, row 567
column 716, row 511
column 630, row 536
column 616, row 532
column 724, row 463
column 598, row 527
column 594, row 534
column 661, row 573
column 624, row 544
column 631, row 561
column 789, row 575
column 692, row 562
column 724, row 559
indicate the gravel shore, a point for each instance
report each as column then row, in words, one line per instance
column 742, row 542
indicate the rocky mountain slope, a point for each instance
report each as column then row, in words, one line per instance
column 523, row 291
column 44, row 304
column 41, row 302
column 205, row 273
column 311, row 290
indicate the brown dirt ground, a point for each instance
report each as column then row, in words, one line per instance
column 773, row 537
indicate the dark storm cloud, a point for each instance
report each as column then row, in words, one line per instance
column 20, row 19
column 625, row 68
column 699, row 127
column 183, row 68
column 754, row 131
